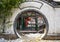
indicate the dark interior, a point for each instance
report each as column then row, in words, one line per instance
column 29, row 22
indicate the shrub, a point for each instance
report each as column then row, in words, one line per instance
column 5, row 9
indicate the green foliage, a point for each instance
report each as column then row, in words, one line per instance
column 6, row 6
column 5, row 9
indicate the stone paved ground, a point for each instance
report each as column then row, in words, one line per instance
column 31, row 40
column 18, row 40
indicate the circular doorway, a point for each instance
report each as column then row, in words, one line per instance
column 31, row 23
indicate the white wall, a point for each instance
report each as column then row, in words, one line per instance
column 52, row 15
column 57, row 20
